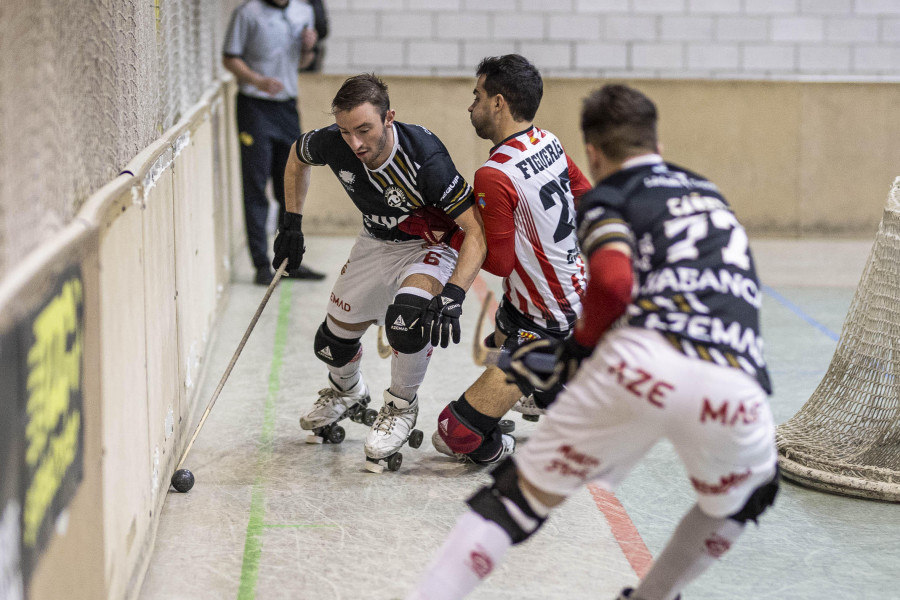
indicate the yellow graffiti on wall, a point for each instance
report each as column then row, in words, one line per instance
column 52, row 432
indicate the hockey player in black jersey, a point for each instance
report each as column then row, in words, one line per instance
column 415, row 288
column 686, row 363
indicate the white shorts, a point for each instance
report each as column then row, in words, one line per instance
column 372, row 275
column 636, row 389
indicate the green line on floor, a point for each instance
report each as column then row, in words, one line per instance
column 253, row 541
column 273, row 526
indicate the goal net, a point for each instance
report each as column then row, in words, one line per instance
column 84, row 87
column 846, row 438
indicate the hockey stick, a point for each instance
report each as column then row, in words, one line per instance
column 481, row 354
column 384, row 350
column 234, row 358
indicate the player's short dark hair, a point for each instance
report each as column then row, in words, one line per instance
column 619, row 120
column 517, row 80
column 358, row 90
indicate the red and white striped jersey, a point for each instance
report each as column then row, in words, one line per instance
column 526, row 192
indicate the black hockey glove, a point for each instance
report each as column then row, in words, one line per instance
column 442, row 315
column 289, row 242
column 569, row 356
column 532, row 365
column 546, row 365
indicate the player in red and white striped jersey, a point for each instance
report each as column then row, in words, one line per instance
column 526, row 192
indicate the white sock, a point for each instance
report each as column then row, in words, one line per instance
column 347, row 376
column 408, row 372
column 698, row 541
column 472, row 550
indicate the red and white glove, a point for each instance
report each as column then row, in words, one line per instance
column 434, row 226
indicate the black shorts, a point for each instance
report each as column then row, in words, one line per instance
column 519, row 329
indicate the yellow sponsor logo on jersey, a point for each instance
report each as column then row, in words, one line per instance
column 526, row 336
column 245, row 138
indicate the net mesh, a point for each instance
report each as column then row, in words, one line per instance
column 846, row 438
column 84, row 87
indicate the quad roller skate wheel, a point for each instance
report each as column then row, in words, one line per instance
column 336, row 434
column 330, row 433
column 532, row 418
column 369, row 417
column 415, row 439
column 506, row 426
column 394, row 461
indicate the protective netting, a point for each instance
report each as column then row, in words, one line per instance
column 846, row 438
column 84, row 87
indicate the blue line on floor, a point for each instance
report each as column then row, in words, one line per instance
column 799, row 312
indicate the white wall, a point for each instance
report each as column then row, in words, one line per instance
column 843, row 40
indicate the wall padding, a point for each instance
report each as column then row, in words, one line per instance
column 793, row 158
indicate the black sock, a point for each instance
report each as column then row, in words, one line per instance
column 478, row 420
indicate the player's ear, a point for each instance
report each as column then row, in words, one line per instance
column 389, row 118
column 595, row 160
column 591, row 152
column 498, row 102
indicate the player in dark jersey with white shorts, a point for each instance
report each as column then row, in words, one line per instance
column 686, row 364
column 388, row 169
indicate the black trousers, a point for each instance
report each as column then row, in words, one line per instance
column 266, row 130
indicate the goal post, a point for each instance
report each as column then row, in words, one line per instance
column 846, row 438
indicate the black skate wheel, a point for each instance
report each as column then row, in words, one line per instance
column 415, row 438
column 532, row 418
column 355, row 414
column 369, row 417
column 506, row 426
column 337, row 434
column 394, row 461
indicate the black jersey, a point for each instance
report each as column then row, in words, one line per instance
column 696, row 282
column 418, row 173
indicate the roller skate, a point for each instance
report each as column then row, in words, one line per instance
column 530, row 411
column 334, row 405
column 393, row 427
column 509, row 444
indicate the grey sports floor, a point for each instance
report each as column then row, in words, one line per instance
column 273, row 517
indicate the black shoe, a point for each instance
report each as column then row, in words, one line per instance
column 303, row 272
column 263, row 277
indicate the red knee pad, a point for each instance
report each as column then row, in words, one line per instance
column 459, row 436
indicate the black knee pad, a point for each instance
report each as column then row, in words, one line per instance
column 762, row 498
column 333, row 350
column 521, row 522
column 403, row 323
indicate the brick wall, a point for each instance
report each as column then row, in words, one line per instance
column 807, row 40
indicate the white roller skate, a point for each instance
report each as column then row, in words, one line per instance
column 530, row 411
column 509, row 446
column 393, row 427
column 333, row 405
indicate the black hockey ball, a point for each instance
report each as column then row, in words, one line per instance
column 183, row 480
